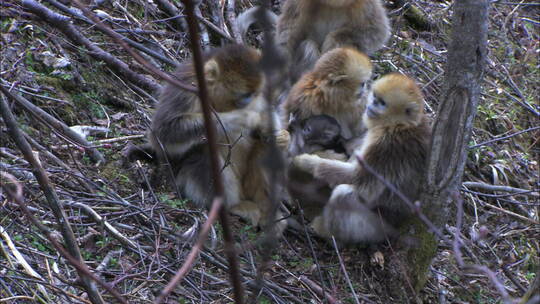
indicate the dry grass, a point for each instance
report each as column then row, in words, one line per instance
column 500, row 228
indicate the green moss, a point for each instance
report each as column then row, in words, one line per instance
column 419, row 257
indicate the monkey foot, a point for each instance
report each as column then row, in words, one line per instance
column 377, row 258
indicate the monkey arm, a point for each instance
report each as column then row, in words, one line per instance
column 334, row 172
column 331, row 154
column 187, row 127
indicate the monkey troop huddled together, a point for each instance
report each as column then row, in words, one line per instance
column 332, row 115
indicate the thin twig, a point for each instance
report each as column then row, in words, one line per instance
column 82, row 269
column 503, row 137
column 118, row 38
column 345, row 273
column 60, row 128
column 194, row 253
column 51, row 197
column 62, row 23
column 215, row 164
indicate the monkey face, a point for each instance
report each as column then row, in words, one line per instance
column 396, row 101
column 313, row 134
column 234, row 77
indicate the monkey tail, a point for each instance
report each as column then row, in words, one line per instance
column 248, row 18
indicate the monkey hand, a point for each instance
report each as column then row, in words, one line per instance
column 306, row 162
column 282, row 139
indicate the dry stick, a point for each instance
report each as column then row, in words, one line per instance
column 318, row 290
column 216, row 168
column 212, row 143
column 504, row 137
column 118, row 38
column 134, row 44
column 456, row 244
column 59, row 162
column 515, row 191
column 311, row 248
column 50, row 195
column 82, row 269
column 190, row 259
column 62, row 129
column 216, row 29
column 110, row 228
column 62, row 23
column 273, row 159
column 232, row 21
column 345, row 273
column 171, row 10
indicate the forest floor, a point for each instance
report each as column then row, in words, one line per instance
column 59, row 75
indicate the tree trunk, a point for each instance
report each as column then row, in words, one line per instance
column 464, row 72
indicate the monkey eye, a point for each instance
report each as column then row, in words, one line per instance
column 408, row 111
column 244, row 99
column 379, row 101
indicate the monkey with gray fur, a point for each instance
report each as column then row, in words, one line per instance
column 362, row 209
column 306, row 29
column 177, row 135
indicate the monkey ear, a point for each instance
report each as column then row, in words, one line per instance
column 211, row 70
column 335, row 79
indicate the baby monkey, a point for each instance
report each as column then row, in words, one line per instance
column 320, row 135
column 314, row 134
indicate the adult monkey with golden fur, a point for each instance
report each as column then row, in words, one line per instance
column 361, row 208
column 177, row 136
column 337, row 86
column 308, row 28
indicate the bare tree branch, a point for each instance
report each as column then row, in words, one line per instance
column 51, row 197
column 61, row 129
column 78, row 263
column 62, row 23
column 215, row 164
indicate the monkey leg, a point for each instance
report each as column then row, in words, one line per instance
column 349, row 220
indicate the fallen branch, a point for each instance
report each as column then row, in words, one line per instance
column 118, row 38
column 132, row 43
column 102, row 222
column 216, row 173
column 51, row 198
column 318, row 290
column 63, row 24
column 87, row 276
column 489, row 187
column 61, row 129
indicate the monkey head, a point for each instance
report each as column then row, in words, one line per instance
column 317, row 133
column 397, row 102
column 343, row 74
column 233, row 76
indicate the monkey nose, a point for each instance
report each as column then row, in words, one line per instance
column 370, row 113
